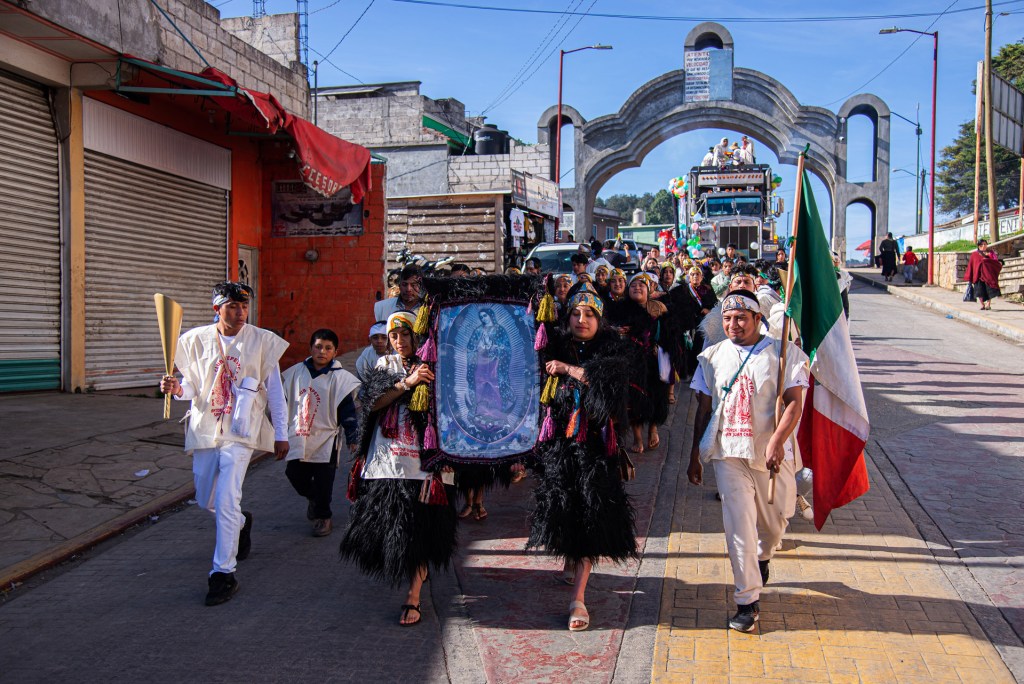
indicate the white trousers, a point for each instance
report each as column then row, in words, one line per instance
column 218, row 475
column 753, row 527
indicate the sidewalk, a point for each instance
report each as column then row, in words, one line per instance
column 76, row 469
column 1005, row 318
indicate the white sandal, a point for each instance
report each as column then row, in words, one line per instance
column 585, row 618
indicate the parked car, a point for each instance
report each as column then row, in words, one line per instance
column 555, row 257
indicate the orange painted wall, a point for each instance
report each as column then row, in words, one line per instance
column 190, row 115
column 337, row 291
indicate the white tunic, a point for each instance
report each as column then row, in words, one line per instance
column 252, row 353
column 743, row 419
column 313, row 410
column 366, row 362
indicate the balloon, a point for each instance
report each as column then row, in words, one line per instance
column 754, row 246
column 721, row 251
column 699, row 253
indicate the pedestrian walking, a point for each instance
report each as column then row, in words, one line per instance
column 983, row 269
column 582, row 512
column 735, row 428
column 229, row 371
column 889, row 251
column 648, row 392
column 403, row 520
column 909, row 265
column 321, row 410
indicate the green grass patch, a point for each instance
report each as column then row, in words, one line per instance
column 957, row 246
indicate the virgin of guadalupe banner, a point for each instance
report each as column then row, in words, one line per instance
column 485, row 404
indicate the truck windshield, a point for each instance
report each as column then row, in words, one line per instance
column 733, row 206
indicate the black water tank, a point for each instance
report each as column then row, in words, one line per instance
column 489, row 140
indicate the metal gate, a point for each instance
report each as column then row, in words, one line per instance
column 30, row 275
column 146, row 231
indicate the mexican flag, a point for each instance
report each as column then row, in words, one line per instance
column 834, row 426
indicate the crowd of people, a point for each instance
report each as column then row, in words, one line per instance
column 618, row 351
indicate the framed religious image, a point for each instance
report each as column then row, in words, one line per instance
column 486, row 395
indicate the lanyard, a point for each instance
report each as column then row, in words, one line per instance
column 728, row 388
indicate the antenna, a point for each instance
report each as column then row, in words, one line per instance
column 302, row 8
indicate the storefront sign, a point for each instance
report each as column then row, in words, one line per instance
column 300, row 212
column 519, row 188
column 708, row 75
column 518, row 222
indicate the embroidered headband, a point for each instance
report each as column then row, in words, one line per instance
column 586, row 297
column 740, row 300
column 602, row 267
column 401, row 319
column 378, row 329
column 584, row 277
column 231, row 292
column 645, row 278
column 617, row 273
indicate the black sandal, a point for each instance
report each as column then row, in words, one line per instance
column 405, row 613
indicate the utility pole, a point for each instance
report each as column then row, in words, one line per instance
column 979, row 125
column 993, row 199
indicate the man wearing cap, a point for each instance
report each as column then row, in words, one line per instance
column 367, row 360
column 709, row 158
column 230, row 373
column 410, row 295
column 721, row 152
column 736, row 384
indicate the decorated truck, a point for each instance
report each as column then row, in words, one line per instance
column 730, row 204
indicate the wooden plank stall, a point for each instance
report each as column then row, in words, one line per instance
column 467, row 226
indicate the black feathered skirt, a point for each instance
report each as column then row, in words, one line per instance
column 582, row 509
column 481, row 476
column 391, row 534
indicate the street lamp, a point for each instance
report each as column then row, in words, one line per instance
column 558, row 124
column 917, row 190
column 931, row 196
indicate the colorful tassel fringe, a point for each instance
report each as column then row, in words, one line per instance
column 432, row 491
column 581, row 434
column 611, row 441
column 420, row 401
column 430, row 437
column 550, row 387
column 547, row 428
column 389, row 422
column 573, row 428
column 428, row 350
column 422, row 319
column 546, row 309
column 541, row 340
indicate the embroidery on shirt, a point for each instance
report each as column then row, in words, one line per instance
column 222, row 396
column 309, row 400
column 739, row 415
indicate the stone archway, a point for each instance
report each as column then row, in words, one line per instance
column 760, row 107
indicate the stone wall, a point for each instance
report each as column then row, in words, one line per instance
column 136, row 28
column 493, row 172
column 379, row 122
column 275, row 35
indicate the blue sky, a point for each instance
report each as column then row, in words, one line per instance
column 471, row 55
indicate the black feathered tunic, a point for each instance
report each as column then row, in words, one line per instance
column 582, row 509
column 390, row 533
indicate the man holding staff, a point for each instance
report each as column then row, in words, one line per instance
column 230, row 373
column 737, row 384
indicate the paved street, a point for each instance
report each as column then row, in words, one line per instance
column 916, row 581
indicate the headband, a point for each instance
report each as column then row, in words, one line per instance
column 646, row 278
column 566, row 276
column 232, row 292
column 740, row 301
column 584, row 277
column 586, row 298
column 617, row 273
column 401, row 319
column 378, row 329
column 601, row 267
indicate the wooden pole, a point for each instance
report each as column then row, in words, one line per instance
column 786, row 320
column 993, row 198
column 1020, row 199
column 979, row 127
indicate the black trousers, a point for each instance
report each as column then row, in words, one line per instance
column 315, row 481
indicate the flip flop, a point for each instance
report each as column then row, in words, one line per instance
column 585, row 618
column 405, row 614
column 637, row 449
column 652, row 445
column 563, row 577
column 466, row 511
column 481, row 512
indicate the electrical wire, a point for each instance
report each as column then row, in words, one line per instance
column 350, row 29
column 325, row 7
column 328, row 61
column 735, row 20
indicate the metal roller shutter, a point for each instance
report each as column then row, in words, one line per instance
column 30, row 277
column 146, row 231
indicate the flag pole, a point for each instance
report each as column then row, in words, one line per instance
column 786, row 318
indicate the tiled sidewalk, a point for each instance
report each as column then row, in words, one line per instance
column 863, row 601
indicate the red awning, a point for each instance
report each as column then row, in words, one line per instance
column 327, row 163
column 864, row 246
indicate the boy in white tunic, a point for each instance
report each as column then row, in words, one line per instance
column 321, row 404
column 367, row 360
column 229, row 372
column 736, row 384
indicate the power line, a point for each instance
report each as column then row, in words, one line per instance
column 350, row 29
column 736, row 20
column 325, row 7
column 325, row 59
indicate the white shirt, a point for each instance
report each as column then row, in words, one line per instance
column 385, row 307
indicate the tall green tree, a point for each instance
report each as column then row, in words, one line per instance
column 659, row 206
column 954, row 178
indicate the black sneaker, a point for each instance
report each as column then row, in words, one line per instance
column 763, row 565
column 745, row 618
column 223, row 586
column 245, row 538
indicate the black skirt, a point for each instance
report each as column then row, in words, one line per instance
column 582, row 509
column 391, row 534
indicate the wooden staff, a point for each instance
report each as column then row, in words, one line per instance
column 168, row 315
column 786, row 320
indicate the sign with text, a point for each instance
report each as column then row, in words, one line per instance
column 1007, row 115
column 708, row 75
column 300, row 212
column 715, row 179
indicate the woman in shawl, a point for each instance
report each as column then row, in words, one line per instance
column 694, row 300
column 393, row 534
column 983, row 269
column 648, row 393
column 616, row 299
column 889, row 252
column 582, row 512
